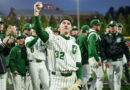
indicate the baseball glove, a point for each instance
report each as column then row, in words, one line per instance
column 75, row 87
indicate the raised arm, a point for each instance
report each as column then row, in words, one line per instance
column 41, row 33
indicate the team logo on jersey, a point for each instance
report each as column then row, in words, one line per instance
column 118, row 40
column 74, row 49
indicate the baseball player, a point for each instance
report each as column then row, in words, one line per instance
column 92, row 41
column 84, row 53
column 65, row 61
column 27, row 29
column 37, row 56
column 112, row 49
column 4, row 49
column 5, row 43
column 74, row 32
column 126, row 68
column 18, row 63
column 120, row 28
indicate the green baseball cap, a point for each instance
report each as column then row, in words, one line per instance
column 20, row 35
column 74, row 28
column 1, row 20
column 95, row 22
column 27, row 26
column 84, row 28
column 113, row 23
column 66, row 18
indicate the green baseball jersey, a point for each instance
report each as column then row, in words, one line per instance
column 92, row 41
column 18, row 59
column 83, row 49
column 64, row 54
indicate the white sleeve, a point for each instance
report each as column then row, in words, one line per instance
column 48, row 30
column 28, row 39
column 78, row 55
column 51, row 41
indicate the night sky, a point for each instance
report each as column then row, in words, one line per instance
column 101, row 6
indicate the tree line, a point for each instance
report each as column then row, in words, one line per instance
column 122, row 15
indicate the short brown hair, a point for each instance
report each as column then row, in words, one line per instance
column 65, row 17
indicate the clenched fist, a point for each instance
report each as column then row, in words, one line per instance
column 37, row 7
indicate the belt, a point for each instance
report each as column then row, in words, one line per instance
column 65, row 74
column 118, row 59
column 37, row 60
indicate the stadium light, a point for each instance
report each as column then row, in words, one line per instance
column 78, row 16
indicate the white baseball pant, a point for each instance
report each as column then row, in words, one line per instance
column 28, row 82
column 59, row 82
column 114, row 73
column 98, row 73
column 10, row 77
column 3, row 81
column 39, row 74
column 86, row 75
column 19, row 82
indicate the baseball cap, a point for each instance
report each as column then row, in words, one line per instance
column 27, row 26
column 84, row 28
column 74, row 28
column 95, row 22
column 113, row 23
column 20, row 35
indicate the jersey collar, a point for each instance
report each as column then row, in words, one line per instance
column 67, row 38
column 91, row 30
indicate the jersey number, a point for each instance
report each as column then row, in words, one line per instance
column 59, row 55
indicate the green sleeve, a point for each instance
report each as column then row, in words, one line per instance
column 31, row 43
column 92, row 51
column 12, row 60
column 79, row 71
column 41, row 33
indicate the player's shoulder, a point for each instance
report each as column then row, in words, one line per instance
column 15, row 48
column 29, row 38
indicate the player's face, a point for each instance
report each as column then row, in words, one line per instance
column 113, row 29
column 27, row 31
column 65, row 27
column 97, row 27
column 20, row 41
column 1, row 26
column 74, row 32
column 107, row 30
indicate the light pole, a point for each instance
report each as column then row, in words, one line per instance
column 78, row 16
